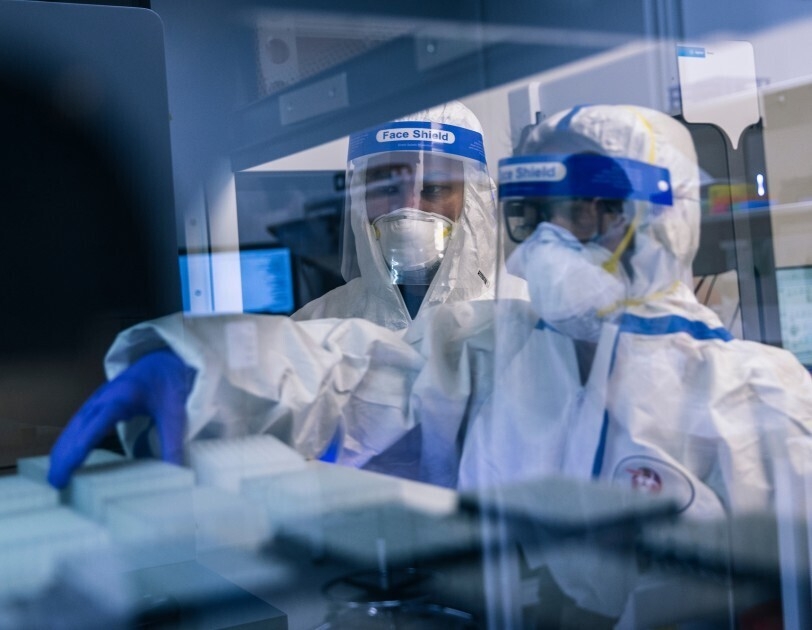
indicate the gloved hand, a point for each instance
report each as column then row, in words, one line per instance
column 157, row 385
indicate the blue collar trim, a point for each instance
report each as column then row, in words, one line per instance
column 670, row 324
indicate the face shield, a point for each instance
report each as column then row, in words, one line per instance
column 406, row 196
column 413, row 200
column 600, row 200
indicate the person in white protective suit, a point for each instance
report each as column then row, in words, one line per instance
column 420, row 233
column 420, row 224
column 666, row 401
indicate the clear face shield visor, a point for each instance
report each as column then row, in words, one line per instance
column 413, row 200
column 598, row 199
column 409, row 193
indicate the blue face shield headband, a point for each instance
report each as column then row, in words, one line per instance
column 585, row 176
column 528, row 183
column 418, row 136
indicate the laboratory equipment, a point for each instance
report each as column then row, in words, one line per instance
column 795, row 307
column 89, row 242
column 251, row 81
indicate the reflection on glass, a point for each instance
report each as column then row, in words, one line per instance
column 356, row 432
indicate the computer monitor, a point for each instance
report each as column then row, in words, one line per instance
column 266, row 275
column 301, row 211
column 267, row 280
column 795, row 309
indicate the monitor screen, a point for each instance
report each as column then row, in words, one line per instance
column 267, row 280
column 266, row 275
column 795, row 308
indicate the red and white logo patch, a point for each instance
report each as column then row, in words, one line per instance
column 644, row 479
column 655, row 477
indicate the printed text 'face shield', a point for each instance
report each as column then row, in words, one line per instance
column 410, row 179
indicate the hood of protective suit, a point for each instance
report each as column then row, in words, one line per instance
column 666, row 238
column 468, row 265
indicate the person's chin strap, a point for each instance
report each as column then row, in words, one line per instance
column 611, row 264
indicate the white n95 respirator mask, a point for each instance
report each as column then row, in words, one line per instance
column 413, row 243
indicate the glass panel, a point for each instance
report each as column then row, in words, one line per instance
column 431, row 315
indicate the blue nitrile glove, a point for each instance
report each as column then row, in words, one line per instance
column 157, row 385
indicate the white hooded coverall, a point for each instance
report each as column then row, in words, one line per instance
column 674, row 405
column 363, row 369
